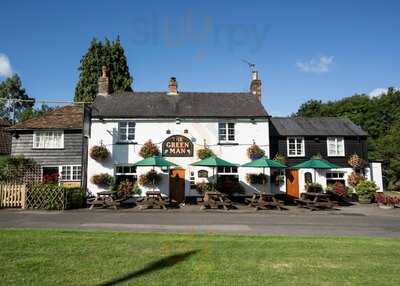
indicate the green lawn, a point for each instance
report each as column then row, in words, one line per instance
column 56, row 257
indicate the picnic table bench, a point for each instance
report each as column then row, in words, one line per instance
column 315, row 201
column 263, row 200
column 215, row 200
column 152, row 200
column 105, row 199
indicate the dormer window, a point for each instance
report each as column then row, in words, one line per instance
column 226, row 132
column 126, row 131
column 295, row 146
column 335, row 146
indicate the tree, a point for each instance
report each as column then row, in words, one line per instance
column 12, row 88
column 106, row 53
column 31, row 112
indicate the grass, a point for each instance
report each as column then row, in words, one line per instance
column 57, row 257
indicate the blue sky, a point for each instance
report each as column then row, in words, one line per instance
column 303, row 49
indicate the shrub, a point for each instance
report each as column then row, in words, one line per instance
column 14, row 168
column 205, row 187
column 151, row 179
column 256, row 179
column 149, row 149
column 366, row 189
column 204, row 153
column 354, row 179
column 99, row 153
column 103, row 180
column 254, row 152
column 384, row 199
column 314, row 188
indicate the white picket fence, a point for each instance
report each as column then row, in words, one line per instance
column 12, row 196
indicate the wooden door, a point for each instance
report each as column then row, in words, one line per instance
column 177, row 185
column 292, row 183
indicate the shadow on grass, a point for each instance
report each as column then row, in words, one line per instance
column 154, row 266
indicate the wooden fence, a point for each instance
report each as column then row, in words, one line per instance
column 12, row 196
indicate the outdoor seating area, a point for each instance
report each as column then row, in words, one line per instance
column 262, row 201
column 315, row 201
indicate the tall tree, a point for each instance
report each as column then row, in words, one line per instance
column 31, row 112
column 100, row 53
column 12, row 88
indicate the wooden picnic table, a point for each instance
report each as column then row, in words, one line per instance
column 215, row 200
column 105, row 199
column 152, row 200
column 315, row 201
column 263, row 200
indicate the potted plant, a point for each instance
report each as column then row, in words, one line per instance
column 254, row 152
column 204, row 153
column 365, row 191
column 387, row 201
column 102, row 180
column 99, row 153
column 149, row 149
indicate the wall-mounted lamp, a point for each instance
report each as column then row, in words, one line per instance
column 178, row 121
column 168, row 131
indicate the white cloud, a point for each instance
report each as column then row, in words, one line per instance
column 379, row 91
column 5, row 66
column 316, row 65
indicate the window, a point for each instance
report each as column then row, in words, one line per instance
column 126, row 131
column 295, row 146
column 308, row 178
column 335, row 146
column 50, row 174
column 71, row 173
column 226, row 132
column 202, row 174
column 335, row 175
column 192, row 180
column 227, row 170
column 48, row 139
column 125, row 172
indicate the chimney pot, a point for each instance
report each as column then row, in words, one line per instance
column 103, row 84
column 173, row 86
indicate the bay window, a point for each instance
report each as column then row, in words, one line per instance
column 335, row 146
column 295, row 146
column 48, row 139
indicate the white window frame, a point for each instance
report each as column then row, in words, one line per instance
column 336, row 141
column 230, row 172
column 43, row 145
column 70, row 177
column 127, row 129
column 296, row 138
column 227, row 129
column 122, row 173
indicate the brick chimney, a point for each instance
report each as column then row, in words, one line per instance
column 172, row 86
column 103, row 82
column 255, row 85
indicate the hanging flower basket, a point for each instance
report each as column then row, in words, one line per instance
column 99, row 153
column 103, row 180
column 149, row 149
column 150, row 180
column 254, row 152
column 204, row 153
column 355, row 161
column 256, row 179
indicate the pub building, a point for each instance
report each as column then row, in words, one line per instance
column 180, row 123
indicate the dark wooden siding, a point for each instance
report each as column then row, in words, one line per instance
column 70, row 155
column 317, row 145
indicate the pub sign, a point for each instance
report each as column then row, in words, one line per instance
column 177, row 146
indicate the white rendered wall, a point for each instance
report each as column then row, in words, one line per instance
column 106, row 132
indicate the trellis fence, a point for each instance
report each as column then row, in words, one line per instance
column 40, row 196
column 12, row 196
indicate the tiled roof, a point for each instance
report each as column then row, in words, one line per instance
column 67, row 117
column 184, row 105
column 316, row 126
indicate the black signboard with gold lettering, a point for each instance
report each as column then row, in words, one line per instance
column 177, row 146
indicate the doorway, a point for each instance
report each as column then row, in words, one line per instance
column 177, row 185
column 292, row 183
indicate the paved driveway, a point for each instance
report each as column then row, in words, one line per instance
column 357, row 220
